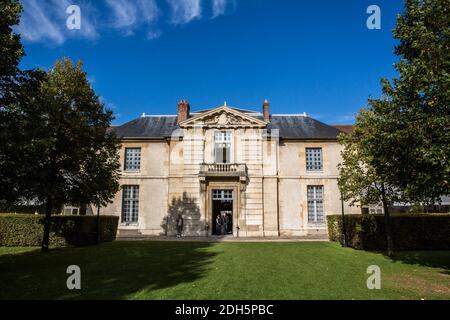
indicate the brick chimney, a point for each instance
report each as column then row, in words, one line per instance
column 266, row 110
column 183, row 110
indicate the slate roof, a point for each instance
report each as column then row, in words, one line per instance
column 289, row 126
column 301, row 127
column 148, row 127
column 347, row 128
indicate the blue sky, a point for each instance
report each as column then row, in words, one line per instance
column 145, row 55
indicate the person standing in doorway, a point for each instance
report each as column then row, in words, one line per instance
column 218, row 225
column 179, row 226
column 229, row 223
column 224, row 224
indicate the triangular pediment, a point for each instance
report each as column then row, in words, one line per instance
column 223, row 117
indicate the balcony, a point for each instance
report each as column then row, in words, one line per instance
column 223, row 170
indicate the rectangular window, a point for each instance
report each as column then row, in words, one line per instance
column 222, row 147
column 314, row 159
column 130, row 204
column 222, row 194
column 315, row 204
column 132, row 159
column 68, row 210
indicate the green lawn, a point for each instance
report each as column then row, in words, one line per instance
column 195, row 270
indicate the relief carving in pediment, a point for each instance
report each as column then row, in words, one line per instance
column 224, row 119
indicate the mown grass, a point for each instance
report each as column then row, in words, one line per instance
column 202, row 270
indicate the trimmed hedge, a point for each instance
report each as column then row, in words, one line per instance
column 409, row 231
column 24, row 230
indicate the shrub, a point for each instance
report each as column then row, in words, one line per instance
column 23, row 230
column 409, row 231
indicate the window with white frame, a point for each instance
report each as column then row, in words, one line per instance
column 222, row 147
column 225, row 195
column 130, row 204
column 132, row 159
column 315, row 204
column 314, row 159
column 68, row 210
column 376, row 209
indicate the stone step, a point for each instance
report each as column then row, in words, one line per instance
column 124, row 233
column 227, row 238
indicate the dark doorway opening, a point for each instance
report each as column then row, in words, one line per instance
column 222, row 212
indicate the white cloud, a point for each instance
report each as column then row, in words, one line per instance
column 46, row 21
column 107, row 103
column 129, row 14
column 36, row 26
column 154, row 34
column 184, row 11
column 125, row 13
column 149, row 10
column 219, row 7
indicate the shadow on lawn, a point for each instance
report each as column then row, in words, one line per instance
column 434, row 259
column 117, row 270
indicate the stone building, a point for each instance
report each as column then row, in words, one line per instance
column 264, row 174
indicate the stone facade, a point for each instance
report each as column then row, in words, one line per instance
column 264, row 171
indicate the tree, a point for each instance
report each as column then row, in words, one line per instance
column 72, row 156
column 55, row 142
column 11, row 50
column 359, row 182
column 401, row 145
column 413, row 115
column 16, row 88
column 18, row 152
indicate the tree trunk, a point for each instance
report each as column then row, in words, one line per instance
column 387, row 224
column 98, row 225
column 344, row 230
column 48, row 214
column 51, row 201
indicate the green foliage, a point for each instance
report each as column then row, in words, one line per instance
column 409, row 231
column 15, row 88
column 23, row 209
column 26, row 230
column 76, row 157
column 11, row 50
column 18, row 152
column 410, row 123
column 400, row 147
column 359, row 182
column 57, row 145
